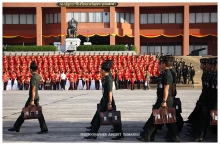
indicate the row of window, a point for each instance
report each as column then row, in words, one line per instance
column 104, row 17
column 203, row 18
column 161, row 18
column 171, row 48
column 165, row 49
column 52, row 18
column 19, row 19
column 89, row 17
column 124, row 17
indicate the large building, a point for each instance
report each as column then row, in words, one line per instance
column 175, row 28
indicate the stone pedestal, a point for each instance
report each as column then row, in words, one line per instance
column 87, row 43
column 72, row 44
column 57, row 44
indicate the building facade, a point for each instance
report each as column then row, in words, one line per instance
column 174, row 28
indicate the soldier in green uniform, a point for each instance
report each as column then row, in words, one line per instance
column 209, row 102
column 109, row 62
column 192, row 116
column 179, row 118
column 33, row 99
column 164, row 99
column 107, row 103
column 201, row 126
column 195, row 115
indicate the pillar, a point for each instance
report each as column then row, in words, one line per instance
column 39, row 26
column 112, row 24
column 137, row 28
column 63, row 25
column 185, row 48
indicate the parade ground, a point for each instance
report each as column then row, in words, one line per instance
column 67, row 113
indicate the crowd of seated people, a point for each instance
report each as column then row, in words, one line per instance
column 127, row 69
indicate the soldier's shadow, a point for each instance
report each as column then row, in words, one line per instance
column 63, row 131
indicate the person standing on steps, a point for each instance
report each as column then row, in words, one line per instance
column 192, row 74
column 33, row 99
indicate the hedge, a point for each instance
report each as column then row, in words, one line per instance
column 133, row 48
column 31, row 48
column 102, row 48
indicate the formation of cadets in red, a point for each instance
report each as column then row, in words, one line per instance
column 129, row 67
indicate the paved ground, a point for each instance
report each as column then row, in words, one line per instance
column 67, row 113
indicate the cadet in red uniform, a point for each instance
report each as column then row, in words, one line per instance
column 126, row 77
column 86, row 78
column 119, row 79
column 71, row 76
column 57, row 80
column 5, row 80
column 133, row 78
column 97, row 78
column 138, row 76
column 26, row 83
column 75, row 80
column 90, row 78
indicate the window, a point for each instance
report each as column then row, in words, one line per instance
column 171, row 18
column 23, row 19
column 98, row 17
column 192, row 18
column 127, row 18
column 198, row 17
column 51, row 18
column 132, row 18
column 69, row 16
column 76, row 16
column 34, row 18
column 143, row 49
column 58, row 18
column 143, row 18
column 178, row 50
column 171, row 49
column 151, row 49
column 165, row 18
column 157, row 18
column 157, row 49
column 165, row 50
column 205, row 18
column 106, row 17
column 47, row 19
column 213, row 17
column 3, row 19
column 91, row 17
column 55, row 18
column 179, row 18
column 8, row 19
column 15, row 18
column 150, row 18
column 122, row 17
column 30, row 19
column 117, row 17
column 83, row 17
